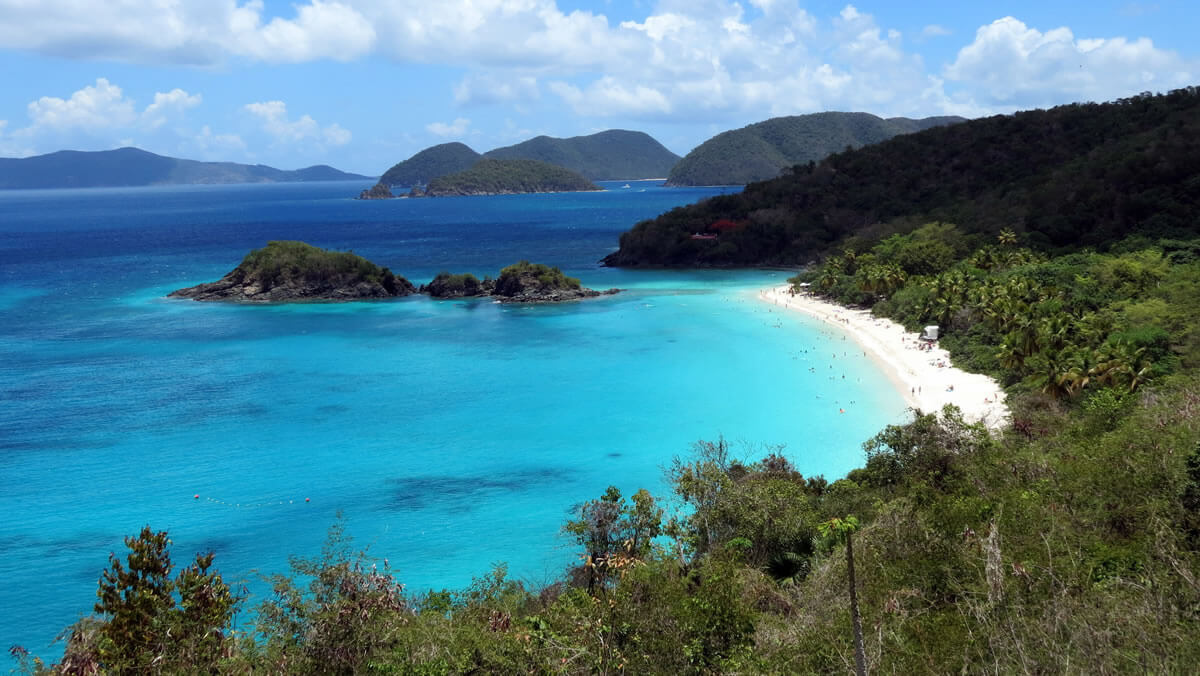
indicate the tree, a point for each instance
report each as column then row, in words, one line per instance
column 841, row 530
column 141, row 627
column 609, row 528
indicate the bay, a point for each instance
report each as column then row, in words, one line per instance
column 450, row 435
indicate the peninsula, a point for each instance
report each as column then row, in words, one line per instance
column 286, row 271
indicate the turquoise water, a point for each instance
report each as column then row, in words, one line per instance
column 451, row 435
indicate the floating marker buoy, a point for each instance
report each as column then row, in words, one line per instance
column 196, row 496
column 306, row 499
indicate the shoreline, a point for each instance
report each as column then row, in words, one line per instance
column 924, row 378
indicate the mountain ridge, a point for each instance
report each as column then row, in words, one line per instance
column 611, row 155
column 760, row 151
column 615, row 154
column 134, row 167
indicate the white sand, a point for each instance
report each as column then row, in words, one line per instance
column 923, row 377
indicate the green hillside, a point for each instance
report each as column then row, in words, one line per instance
column 609, row 155
column 429, row 164
column 761, row 151
column 1073, row 176
column 503, row 177
column 129, row 167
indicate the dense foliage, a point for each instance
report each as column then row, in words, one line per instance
column 284, row 262
column 526, row 277
column 609, row 155
column 502, row 177
column 762, row 151
column 1064, row 326
column 446, row 285
column 439, row 160
column 1073, row 176
column 135, row 167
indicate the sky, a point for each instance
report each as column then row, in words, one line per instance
column 363, row 84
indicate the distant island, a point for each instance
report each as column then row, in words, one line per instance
column 430, row 163
column 763, row 150
column 132, row 167
column 507, row 177
column 615, row 154
column 522, row 282
column 288, row 271
column 295, row 271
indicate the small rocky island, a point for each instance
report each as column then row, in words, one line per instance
column 379, row 191
column 283, row 272
column 522, row 282
column 295, row 271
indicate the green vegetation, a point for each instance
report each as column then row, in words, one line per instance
column 762, row 151
column 1065, row 327
column 489, row 177
column 446, row 285
column 286, row 262
column 609, row 155
column 525, row 278
column 1073, row 176
column 439, row 160
column 379, row 191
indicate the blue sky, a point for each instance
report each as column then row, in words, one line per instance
column 363, row 84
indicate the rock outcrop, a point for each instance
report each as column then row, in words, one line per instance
column 378, row 191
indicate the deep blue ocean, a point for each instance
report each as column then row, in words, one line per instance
column 451, row 435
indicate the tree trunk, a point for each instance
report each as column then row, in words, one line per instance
column 860, row 656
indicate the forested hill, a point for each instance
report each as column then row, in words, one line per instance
column 1074, row 176
column 439, row 160
column 761, row 151
column 508, row 177
column 609, row 155
column 127, row 167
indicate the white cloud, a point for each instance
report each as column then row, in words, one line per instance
column 719, row 61
column 1010, row 65
column 484, row 88
column 934, row 30
column 607, row 96
column 173, row 102
column 321, row 30
column 456, row 129
column 184, row 31
column 274, row 119
column 223, row 142
column 98, row 106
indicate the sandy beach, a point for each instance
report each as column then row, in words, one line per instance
column 923, row 376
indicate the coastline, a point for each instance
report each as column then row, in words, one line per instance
column 923, row 377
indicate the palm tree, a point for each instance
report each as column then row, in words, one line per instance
column 1124, row 365
column 1007, row 237
column 1080, row 370
column 842, row 529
